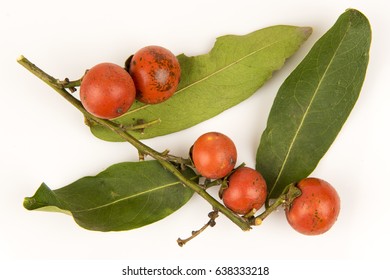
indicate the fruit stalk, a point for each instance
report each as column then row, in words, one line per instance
column 286, row 198
column 162, row 158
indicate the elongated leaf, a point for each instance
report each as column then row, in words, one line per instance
column 234, row 69
column 314, row 102
column 124, row 196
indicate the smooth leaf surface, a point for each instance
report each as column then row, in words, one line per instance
column 235, row 68
column 123, row 197
column 314, row 102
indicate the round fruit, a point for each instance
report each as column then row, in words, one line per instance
column 247, row 190
column 316, row 209
column 156, row 74
column 107, row 91
column 214, row 155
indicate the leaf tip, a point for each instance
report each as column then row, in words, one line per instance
column 306, row 31
column 356, row 14
column 352, row 11
column 28, row 203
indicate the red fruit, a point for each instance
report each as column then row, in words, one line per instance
column 316, row 209
column 156, row 74
column 107, row 91
column 214, row 155
column 247, row 190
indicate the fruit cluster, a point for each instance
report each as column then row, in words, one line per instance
column 107, row 90
column 214, row 156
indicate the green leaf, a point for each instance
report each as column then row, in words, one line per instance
column 125, row 196
column 235, row 68
column 314, row 102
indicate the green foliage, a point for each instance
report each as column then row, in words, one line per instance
column 308, row 112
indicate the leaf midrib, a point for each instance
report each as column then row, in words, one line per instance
column 308, row 109
column 212, row 74
column 125, row 198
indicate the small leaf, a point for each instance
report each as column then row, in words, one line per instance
column 235, row 68
column 314, row 102
column 125, row 196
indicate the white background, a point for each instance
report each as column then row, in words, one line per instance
column 43, row 138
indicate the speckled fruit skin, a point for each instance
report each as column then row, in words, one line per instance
column 316, row 210
column 156, row 74
column 247, row 190
column 214, row 155
column 107, row 91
